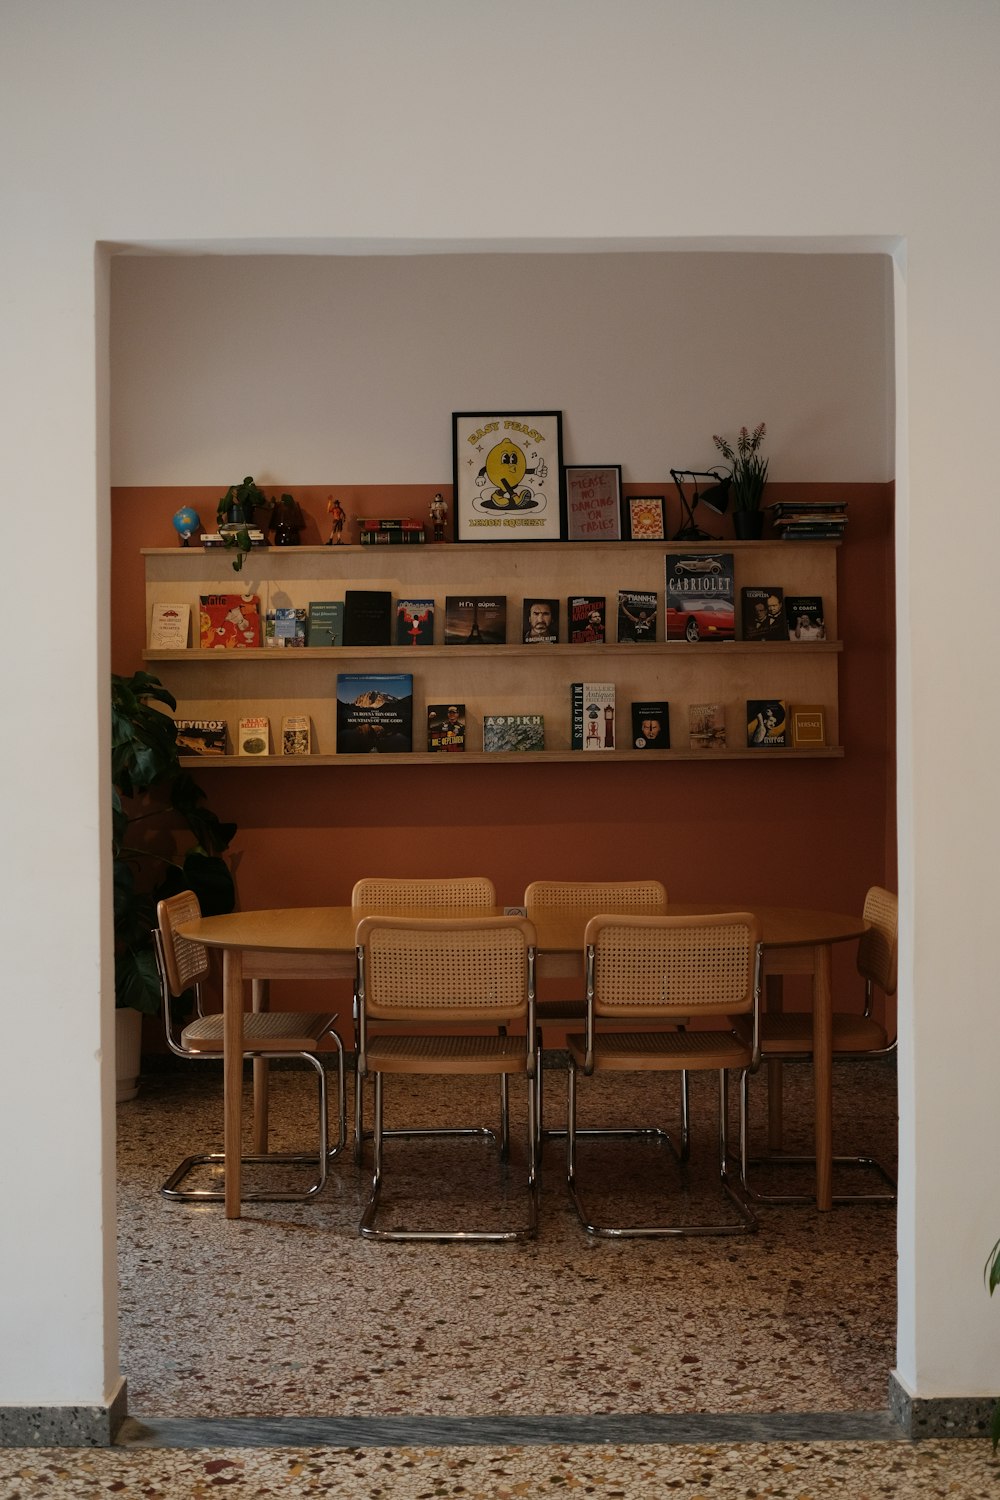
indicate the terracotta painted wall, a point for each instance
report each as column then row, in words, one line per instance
column 813, row 832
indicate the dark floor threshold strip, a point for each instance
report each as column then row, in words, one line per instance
column 505, row 1432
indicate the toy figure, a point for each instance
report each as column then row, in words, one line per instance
column 439, row 516
column 338, row 515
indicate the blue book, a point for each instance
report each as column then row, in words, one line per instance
column 374, row 713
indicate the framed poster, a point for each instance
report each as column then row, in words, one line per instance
column 644, row 518
column 508, row 476
column 593, row 502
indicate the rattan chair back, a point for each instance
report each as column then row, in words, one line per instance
column 185, row 963
column 598, row 895
column 378, row 894
column 430, row 970
column 673, row 966
column 878, row 947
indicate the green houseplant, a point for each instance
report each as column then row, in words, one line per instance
column 992, row 1277
column 151, row 794
column 237, row 508
column 748, row 476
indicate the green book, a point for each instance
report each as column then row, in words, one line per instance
column 326, row 622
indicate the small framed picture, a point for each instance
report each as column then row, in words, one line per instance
column 593, row 502
column 508, row 476
column 644, row 518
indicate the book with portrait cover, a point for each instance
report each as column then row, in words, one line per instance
column 586, row 614
column 706, row 726
column 446, row 726
column 636, row 615
column 374, row 713
column 762, row 613
column 700, row 596
column 767, row 725
column 651, row 725
column 253, row 735
column 593, row 716
column 414, row 622
column 804, row 613
column 513, row 732
column 367, row 617
column 201, row 736
column 475, row 620
column 296, row 738
column 285, row 627
column 228, row 621
column 540, row 621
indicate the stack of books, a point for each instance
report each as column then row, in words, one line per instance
column 809, row 520
column 398, row 530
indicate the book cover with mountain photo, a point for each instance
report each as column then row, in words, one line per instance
column 374, row 713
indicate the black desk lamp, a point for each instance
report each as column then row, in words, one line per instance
column 716, row 497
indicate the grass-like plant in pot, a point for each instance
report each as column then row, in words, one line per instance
column 151, row 795
column 748, row 472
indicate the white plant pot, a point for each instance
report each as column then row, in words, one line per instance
column 128, row 1051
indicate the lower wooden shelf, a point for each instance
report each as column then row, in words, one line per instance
column 497, row 757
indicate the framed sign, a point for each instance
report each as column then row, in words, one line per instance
column 645, row 518
column 593, row 502
column 508, row 476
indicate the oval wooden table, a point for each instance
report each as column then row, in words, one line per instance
column 317, row 942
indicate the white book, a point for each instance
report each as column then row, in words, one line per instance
column 169, row 627
column 295, row 735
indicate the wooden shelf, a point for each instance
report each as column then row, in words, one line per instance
column 528, row 757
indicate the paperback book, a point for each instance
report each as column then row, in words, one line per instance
column 540, row 621
column 374, row 713
column 368, row 617
column 700, row 596
column 651, row 726
column 446, row 726
column 254, row 735
column 201, row 736
column 414, row 622
column 326, row 622
column 804, row 614
column 229, row 621
column 636, row 615
column 475, row 620
column 587, row 618
column 285, row 627
column 767, row 725
column 169, row 625
column 706, row 726
column 513, row 732
column 296, row 736
column 593, row 716
column 763, row 614
column 807, row 723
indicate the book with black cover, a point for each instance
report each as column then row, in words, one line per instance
column 367, row 617
column 374, row 713
column 651, row 725
column 587, row 618
column 446, row 726
column 804, row 613
column 766, row 722
column 475, row 620
column 636, row 615
column 700, row 596
column 201, row 736
column 762, row 612
column 414, row 622
column 540, row 621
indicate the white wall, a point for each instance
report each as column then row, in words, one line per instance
column 347, row 369
column 345, row 123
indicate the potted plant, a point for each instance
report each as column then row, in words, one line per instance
column 235, row 516
column 748, row 476
column 151, row 792
column 992, row 1277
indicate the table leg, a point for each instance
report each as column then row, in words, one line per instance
column 774, row 1004
column 261, row 991
column 232, row 1042
column 823, row 1072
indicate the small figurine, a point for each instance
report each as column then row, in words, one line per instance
column 186, row 523
column 285, row 522
column 338, row 516
column 439, row 516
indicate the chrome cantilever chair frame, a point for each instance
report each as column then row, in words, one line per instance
column 663, row 968
column 428, row 973
column 388, row 894
column 787, row 1038
column 267, row 1034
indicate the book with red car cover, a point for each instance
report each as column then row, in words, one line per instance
column 228, row 621
column 700, row 598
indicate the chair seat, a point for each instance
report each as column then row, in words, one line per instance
column 393, row 1053
column 639, row 1051
column 792, row 1033
column 263, row 1031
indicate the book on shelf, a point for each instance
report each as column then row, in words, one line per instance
column 326, row 622
column 296, row 735
column 706, row 726
column 414, row 622
column 169, row 626
column 804, row 616
column 254, row 735
column 513, row 732
column 586, row 616
column 809, row 520
column 540, row 621
column 285, row 627
column 593, row 716
column 475, row 620
column 807, row 724
column 229, row 621
column 219, row 538
column 368, row 617
column 201, row 736
column 374, row 713
column 762, row 611
column 390, row 523
column 700, row 598
column 767, row 722
column 391, row 536
column 446, row 726
column 636, row 615
column 651, row 725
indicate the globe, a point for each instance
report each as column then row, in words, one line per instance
column 186, row 523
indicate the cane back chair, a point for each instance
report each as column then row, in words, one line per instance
column 431, row 973
column 182, row 965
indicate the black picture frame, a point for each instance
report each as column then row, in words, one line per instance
column 508, row 476
column 644, row 518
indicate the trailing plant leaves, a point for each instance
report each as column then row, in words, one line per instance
column 137, row 983
column 186, row 798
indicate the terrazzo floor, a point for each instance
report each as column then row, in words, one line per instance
column 753, row 1366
